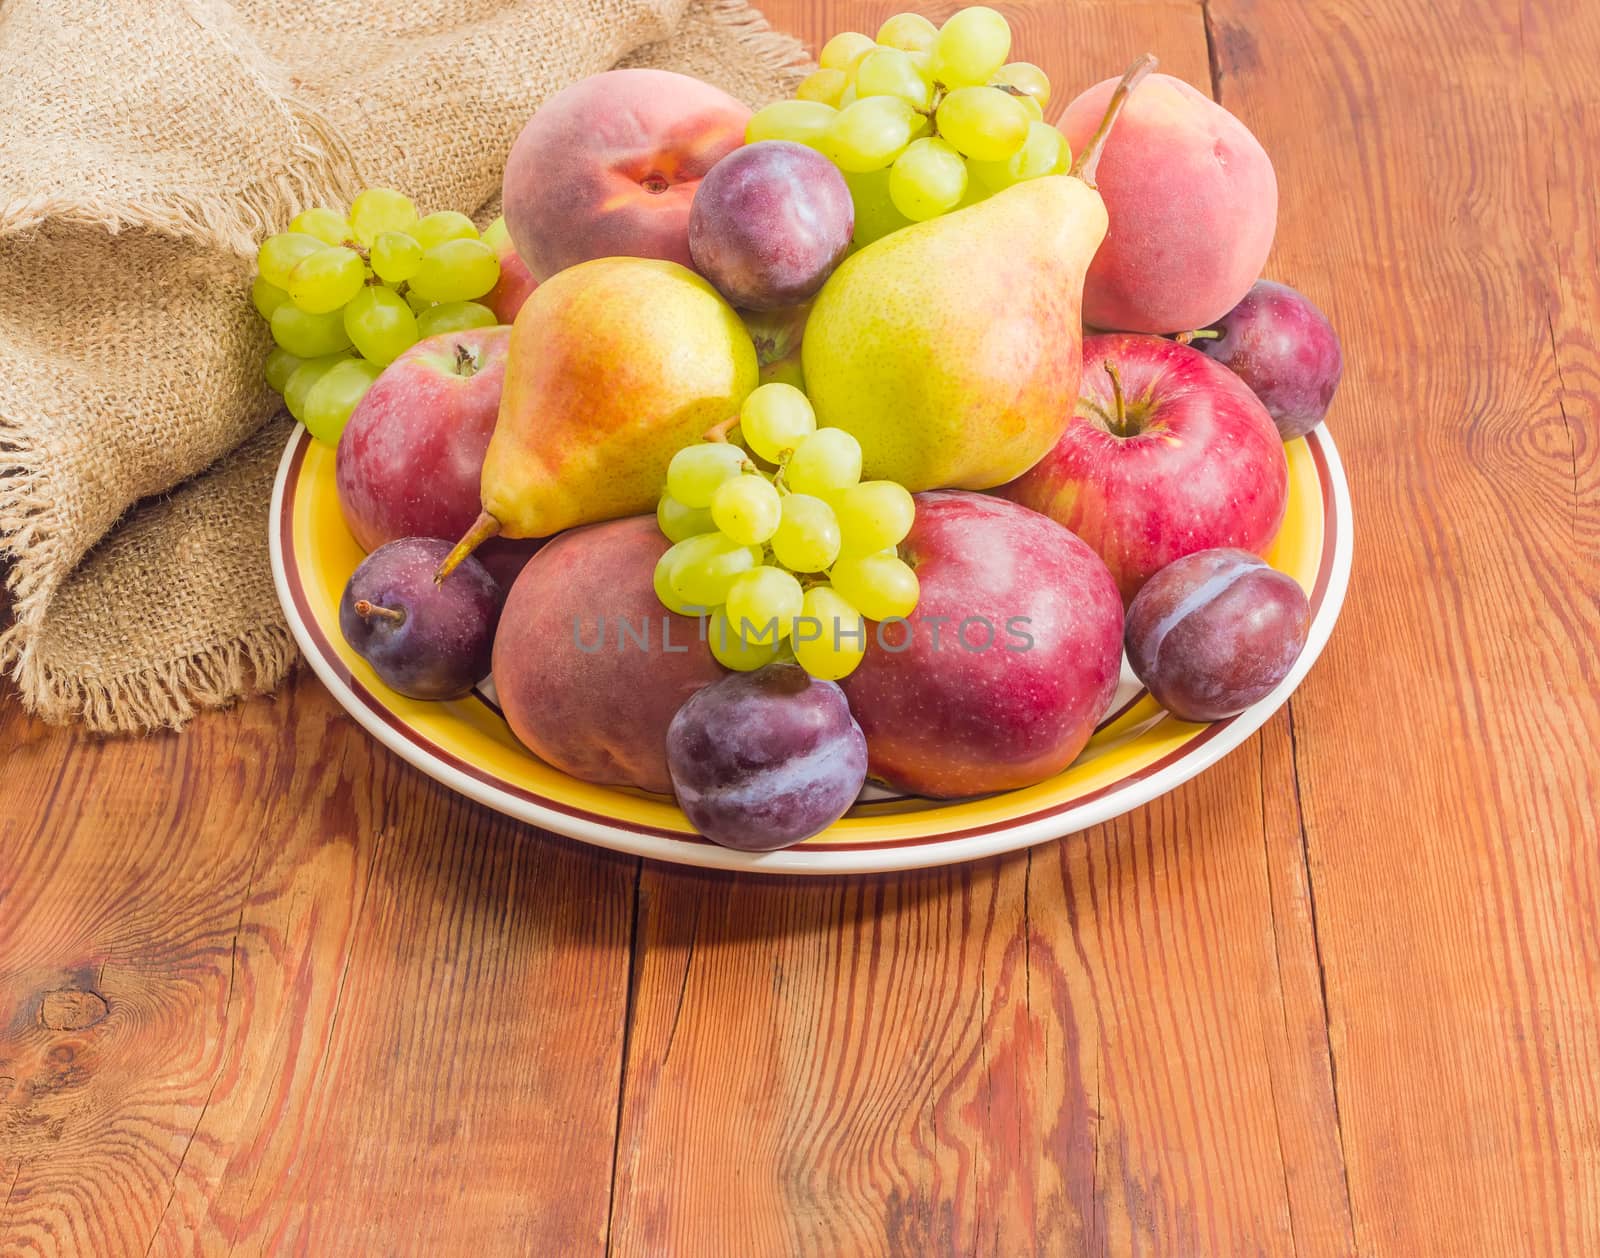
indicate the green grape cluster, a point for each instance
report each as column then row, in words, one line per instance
column 347, row 294
column 923, row 120
column 779, row 542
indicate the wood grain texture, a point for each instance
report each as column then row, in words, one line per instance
column 265, row 990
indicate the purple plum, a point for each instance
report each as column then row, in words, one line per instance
column 769, row 223
column 765, row 759
column 1214, row 632
column 426, row 640
column 1284, row 348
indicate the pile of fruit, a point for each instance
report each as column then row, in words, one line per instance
column 795, row 465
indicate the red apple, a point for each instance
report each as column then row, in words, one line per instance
column 1180, row 457
column 998, row 678
column 410, row 458
column 515, row 282
column 608, row 168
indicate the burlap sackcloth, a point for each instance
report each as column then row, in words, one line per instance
column 144, row 150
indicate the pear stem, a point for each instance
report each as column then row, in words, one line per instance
column 483, row 528
column 1089, row 160
column 719, row 432
column 367, row 610
column 1199, row 334
column 1120, row 427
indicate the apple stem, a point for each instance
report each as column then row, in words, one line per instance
column 466, row 364
column 368, row 610
column 1089, row 160
column 719, row 432
column 483, row 528
column 1120, row 427
column 1199, row 334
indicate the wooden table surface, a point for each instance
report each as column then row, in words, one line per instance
column 264, row 989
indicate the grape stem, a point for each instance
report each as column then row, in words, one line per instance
column 356, row 247
column 367, row 610
column 483, row 528
column 1089, row 160
column 719, row 432
column 1119, row 426
column 1199, row 334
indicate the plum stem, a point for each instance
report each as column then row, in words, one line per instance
column 483, row 528
column 1120, row 426
column 1199, row 334
column 719, row 432
column 1089, row 160
column 466, row 364
column 367, row 610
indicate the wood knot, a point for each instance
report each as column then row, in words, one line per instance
column 71, row 1010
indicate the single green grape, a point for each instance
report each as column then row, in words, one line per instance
column 983, row 122
column 831, row 637
column 822, row 85
column 763, row 603
column 418, row 302
column 266, row 297
column 697, row 470
column 808, row 538
column 844, row 50
column 910, row 32
column 880, row 586
column 1027, row 78
column 709, row 565
column 497, row 234
column 876, row 215
column 873, row 515
column 1044, row 152
column 331, row 399
column 774, row 418
column 280, row 366
column 395, row 257
column 747, row 509
column 456, row 270
column 280, row 254
column 891, row 72
column 732, row 650
column 308, row 335
column 871, row 133
column 802, row 121
column 824, row 463
column 976, row 191
column 381, row 210
column 971, row 46
column 327, row 281
column 441, row 226
column 928, row 179
column 454, row 316
column 662, row 580
column 678, row 522
column 303, row 377
column 323, row 223
column 380, row 324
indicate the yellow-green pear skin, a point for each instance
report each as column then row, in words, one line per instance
column 615, row 365
column 951, row 349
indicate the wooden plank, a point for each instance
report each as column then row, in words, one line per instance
column 1114, row 1044
column 263, row 988
column 1442, row 207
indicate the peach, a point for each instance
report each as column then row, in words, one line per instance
column 589, row 667
column 608, row 167
column 1192, row 201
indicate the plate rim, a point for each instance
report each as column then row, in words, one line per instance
column 1186, row 762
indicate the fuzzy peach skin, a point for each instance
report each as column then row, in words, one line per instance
column 1193, row 205
column 578, row 692
column 608, row 167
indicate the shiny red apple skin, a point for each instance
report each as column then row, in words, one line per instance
column 411, row 458
column 516, row 282
column 947, row 721
column 1206, row 467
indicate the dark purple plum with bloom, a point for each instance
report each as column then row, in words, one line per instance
column 1214, row 632
column 765, row 759
column 769, row 223
column 426, row 640
column 1284, row 348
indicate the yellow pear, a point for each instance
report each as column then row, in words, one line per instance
column 951, row 349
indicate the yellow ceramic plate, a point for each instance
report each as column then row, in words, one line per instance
column 1138, row 753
